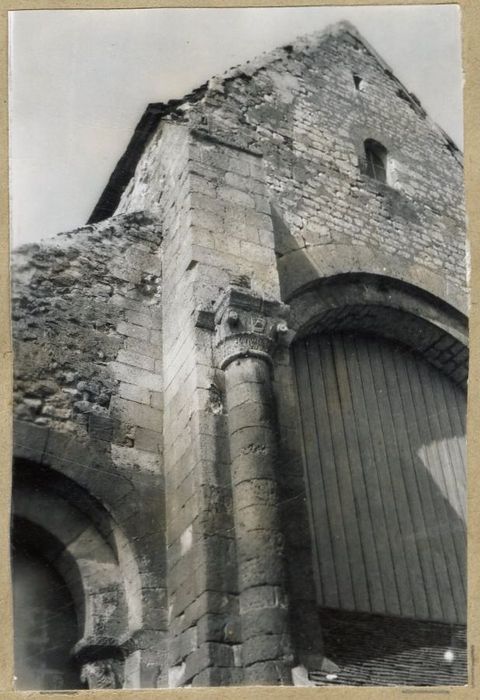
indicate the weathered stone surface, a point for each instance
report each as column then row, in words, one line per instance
column 152, row 362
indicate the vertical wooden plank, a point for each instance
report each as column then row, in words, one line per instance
column 461, row 406
column 334, row 497
column 410, row 398
column 322, row 528
column 431, row 384
column 400, row 563
column 413, row 579
column 439, row 536
column 452, row 447
column 400, row 401
column 345, row 353
column 386, row 541
column 452, row 444
column 451, row 521
column 385, row 570
column 332, row 361
column 456, row 403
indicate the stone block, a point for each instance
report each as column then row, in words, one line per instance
column 29, row 441
column 131, row 392
column 155, row 608
column 100, row 427
column 257, row 517
column 265, row 569
column 268, row 673
column 218, row 677
column 262, row 492
column 252, row 545
column 156, row 400
column 137, row 414
column 262, row 597
column 134, row 458
column 147, row 319
column 137, row 360
column 211, row 602
column 267, row 621
column 240, row 164
column 267, row 647
column 239, row 182
column 135, row 375
column 182, row 598
column 149, row 440
column 219, row 628
column 208, row 654
column 155, row 339
column 250, row 414
column 133, row 331
column 183, row 645
column 256, row 462
column 143, row 347
column 208, row 221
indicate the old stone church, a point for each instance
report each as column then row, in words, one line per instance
column 239, row 449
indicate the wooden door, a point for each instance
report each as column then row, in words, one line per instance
column 384, row 443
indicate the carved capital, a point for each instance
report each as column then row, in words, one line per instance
column 102, row 660
column 103, row 673
column 248, row 325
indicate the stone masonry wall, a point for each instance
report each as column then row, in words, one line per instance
column 300, row 108
column 132, row 338
column 305, row 111
column 198, row 197
column 88, row 394
column 201, row 596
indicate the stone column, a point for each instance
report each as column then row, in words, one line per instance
column 248, row 327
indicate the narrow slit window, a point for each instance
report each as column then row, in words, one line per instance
column 376, row 160
column 358, row 82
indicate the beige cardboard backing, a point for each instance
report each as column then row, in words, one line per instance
column 471, row 62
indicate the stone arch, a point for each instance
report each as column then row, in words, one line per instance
column 47, row 620
column 390, row 308
column 376, row 305
column 302, row 269
column 76, row 536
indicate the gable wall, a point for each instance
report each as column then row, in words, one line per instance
column 303, row 113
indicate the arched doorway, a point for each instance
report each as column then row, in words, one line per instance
column 46, row 624
column 71, row 614
column 384, row 441
column 383, row 432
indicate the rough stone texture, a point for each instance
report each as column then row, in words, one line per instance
column 89, row 287
column 86, row 309
column 300, row 109
column 155, row 396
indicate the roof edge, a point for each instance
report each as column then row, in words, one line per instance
column 156, row 111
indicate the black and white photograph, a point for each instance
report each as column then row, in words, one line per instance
column 240, row 329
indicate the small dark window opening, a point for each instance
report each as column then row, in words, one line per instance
column 376, row 160
column 357, row 80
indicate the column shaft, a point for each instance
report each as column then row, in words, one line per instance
column 253, row 445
